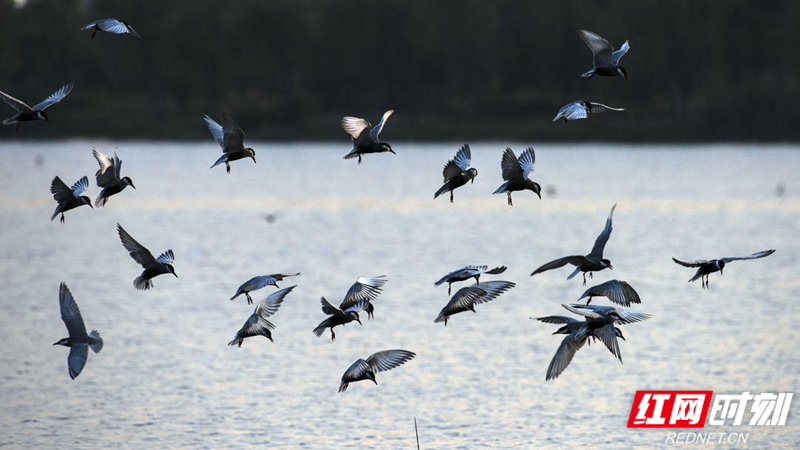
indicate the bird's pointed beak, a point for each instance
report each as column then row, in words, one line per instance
column 539, row 194
column 611, row 267
column 393, row 154
column 254, row 159
column 176, row 275
column 45, row 118
column 376, row 383
column 133, row 185
column 720, row 272
column 55, row 343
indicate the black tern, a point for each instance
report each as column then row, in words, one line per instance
column 598, row 323
column 364, row 289
column 364, row 369
column 515, row 172
column 706, row 267
column 338, row 316
column 617, row 291
column 578, row 333
column 256, row 283
column 457, row 172
column 580, row 109
column 152, row 266
column 257, row 324
column 359, row 297
column 466, row 273
column 78, row 341
column 108, row 177
column 69, row 198
column 365, row 137
column 231, row 138
column 606, row 60
column 466, row 298
column 592, row 262
column 27, row 114
column 113, row 26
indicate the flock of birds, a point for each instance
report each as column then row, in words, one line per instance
column 594, row 323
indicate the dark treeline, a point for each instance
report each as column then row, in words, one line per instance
column 452, row 69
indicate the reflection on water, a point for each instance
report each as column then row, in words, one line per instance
column 166, row 377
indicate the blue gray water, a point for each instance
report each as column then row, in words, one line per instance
column 167, row 379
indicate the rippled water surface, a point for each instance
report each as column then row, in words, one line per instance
column 166, row 377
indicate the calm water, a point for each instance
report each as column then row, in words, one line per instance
column 166, row 377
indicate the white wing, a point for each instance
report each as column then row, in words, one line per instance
column 377, row 130
column 166, row 258
column 80, row 186
column 526, row 161
column 19, row 105
column 620, row 53
column 56, row 97
column 463, row 157
column 354, row 126
column 215, row 129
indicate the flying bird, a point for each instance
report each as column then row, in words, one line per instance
column 69, row 198
column 365, row 137
column 619, row 292
column 592, row 262
column 27, row 114
column 457, row 172
column 365, row 369
column 580, row 109
column 256, row 283
column 466, row 298
column 108, row 176
column 466, row 273
column 257, row 324
column 359, row 297
column 706, row 267
column 231, row 138
column 78, row 341
column 599, row 323
column 152, row 266
column 113, row 26
column 606, row 60
column 515, row 172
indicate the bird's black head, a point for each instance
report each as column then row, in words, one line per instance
column 533, row 186
column 251, row 153
column 87, row 200
column 64, row 342
column 618, row 332
column 43, row 115
column 386, row 148
column 721, row 265
column 607, row 263
column 371, row 376
column 128, row 181
column 474, row 173
column 562, row 330
column 172, row 270
column 622, row 72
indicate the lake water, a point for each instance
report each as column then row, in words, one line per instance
column 167, row 379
